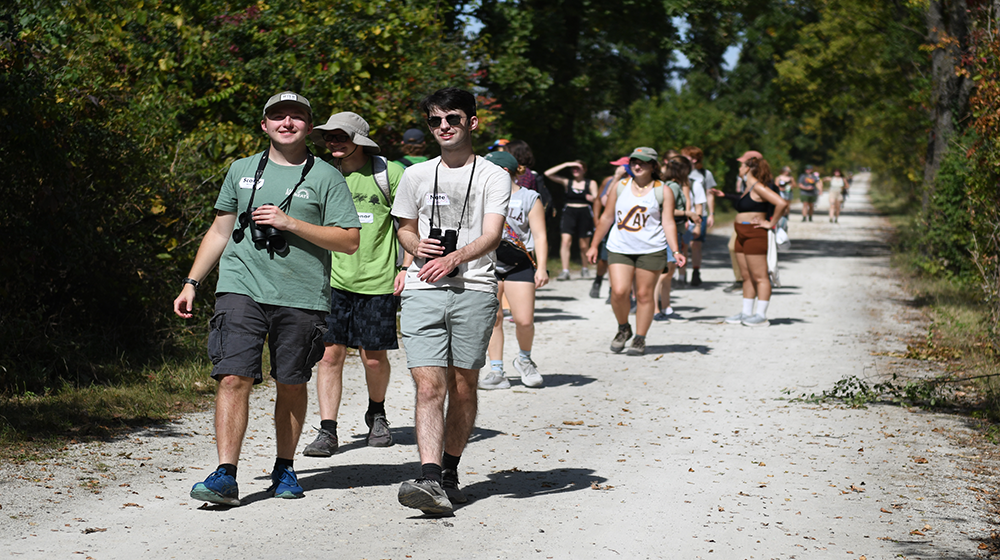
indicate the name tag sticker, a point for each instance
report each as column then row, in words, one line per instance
column 515, row 203
column 442, row 199
column 247, row 183
column 366, row 217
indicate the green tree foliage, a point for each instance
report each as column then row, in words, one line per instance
column 119, row 120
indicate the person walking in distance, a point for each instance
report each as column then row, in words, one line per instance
column 518, row 275
column 279, row 215
column 363, row 311
column 638, row 213
column 758, row 209
column 701, row 180
column 413, row 147
column 451, row 212
column 810, row 188
column 838, row 186
column 577, row 218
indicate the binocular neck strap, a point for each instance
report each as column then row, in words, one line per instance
column 468, row 191
column 244, row 220
column 287, row 203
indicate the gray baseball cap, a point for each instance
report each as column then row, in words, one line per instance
column 351, row 123
column 413, row 136
column 287, row 97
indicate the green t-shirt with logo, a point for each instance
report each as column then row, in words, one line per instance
column 300, row 277
column 372, row 268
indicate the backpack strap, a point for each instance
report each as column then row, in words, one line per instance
column 380, row 170
column 657, row 189
column 404, row 161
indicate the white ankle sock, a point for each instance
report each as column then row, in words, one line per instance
column 762, row 308
column 748, row 306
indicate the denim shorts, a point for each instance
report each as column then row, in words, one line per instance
column 362, row 321
column 241, row 325
column 444, row 327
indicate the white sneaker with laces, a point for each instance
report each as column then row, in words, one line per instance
column 494, row 380
column 529, row 372
column 735, row 319
column 755, row 320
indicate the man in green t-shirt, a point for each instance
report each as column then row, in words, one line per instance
column 279, row 215
column 365, row 284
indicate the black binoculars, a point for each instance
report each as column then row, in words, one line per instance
column 263, row 236
column 449, row 241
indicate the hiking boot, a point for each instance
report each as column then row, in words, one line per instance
column 737, row 285
column 425, row 495
column 284, row 483
column 584, row 273
column 624, row 333
column 755, row 320
column 378, row 430
column 696, row 277
column 595, row 289
column 529, row 372
column 218, row 488
column 638, row 347
column 494, row 380
column 564, row 275
column 735, row 319
column 324, row 445
column 449, row 481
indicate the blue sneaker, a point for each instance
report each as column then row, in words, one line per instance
column 218, row 488
column 285, row 484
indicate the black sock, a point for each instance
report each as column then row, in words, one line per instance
column 376, row 407
column 638, row 338
column 431, row 471
column 279, row 462
column 230, row 469
column 329, row 425
column 450, row 462
column 624, row 327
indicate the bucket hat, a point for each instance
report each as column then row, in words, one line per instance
column 351, row 123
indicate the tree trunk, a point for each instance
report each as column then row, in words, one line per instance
column 947, row 26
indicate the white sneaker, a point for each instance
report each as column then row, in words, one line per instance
column 529, row 372
column 735, row 319
column 564, row 275
column 494, row 380
column 755, row 320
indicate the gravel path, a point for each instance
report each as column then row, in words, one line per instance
column 692, row 451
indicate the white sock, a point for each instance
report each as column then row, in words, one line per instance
column 748, row 306
column 669, row 310
column 762, row 308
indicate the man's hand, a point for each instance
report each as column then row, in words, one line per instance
column 399, row 282
column 438, row 268
column 271, row 215
column 184, row 303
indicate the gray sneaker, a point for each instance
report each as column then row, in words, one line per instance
column 595, row 288
column 494, row 380
column 425, row 495
column 735, row 319
column 584, row 273
column 449, row 481
column 737, row 285
column 564, row 275
column 638, row 347
column 378, row 430
column 755, row 320
column 325, row 445
column 624, row 333
column 529, row 372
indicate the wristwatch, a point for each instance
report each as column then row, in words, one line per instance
column 191, row 281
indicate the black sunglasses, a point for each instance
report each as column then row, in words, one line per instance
column 453, row 120
column 338, row 138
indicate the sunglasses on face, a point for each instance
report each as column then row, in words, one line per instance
column 453, row 120
column 336, row 138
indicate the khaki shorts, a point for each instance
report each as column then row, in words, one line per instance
column 650, row 261
column 444, row 327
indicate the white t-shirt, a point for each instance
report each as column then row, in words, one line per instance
column 489, row 194
column 698, row 188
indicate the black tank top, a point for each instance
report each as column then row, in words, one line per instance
column 747, row 204
column 574, row 196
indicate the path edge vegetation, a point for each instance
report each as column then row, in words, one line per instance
column 119, row 118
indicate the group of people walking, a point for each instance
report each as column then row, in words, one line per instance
column 316, row 258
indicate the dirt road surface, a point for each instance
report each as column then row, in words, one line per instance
column 694, row 450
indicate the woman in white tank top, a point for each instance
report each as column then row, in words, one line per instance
column 638, row 245
column 837, row 187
